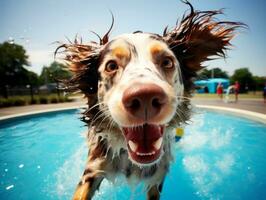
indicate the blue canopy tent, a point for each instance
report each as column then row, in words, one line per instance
column 201, row 86
column 210, row 85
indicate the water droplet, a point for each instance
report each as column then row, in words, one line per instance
column 10, row 40
column 9, row 187
column 6, row 170
column 189, row 106
column 38, row 166
column 21, row 166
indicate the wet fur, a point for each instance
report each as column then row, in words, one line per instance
column 197, row 37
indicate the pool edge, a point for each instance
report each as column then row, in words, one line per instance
column 259, row 117
column 50, row 110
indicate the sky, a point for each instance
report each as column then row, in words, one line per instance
column 37, row 24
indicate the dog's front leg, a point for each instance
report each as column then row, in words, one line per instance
column 86, row 188
column 94, row 172
column 90, row 181
column 154, row 192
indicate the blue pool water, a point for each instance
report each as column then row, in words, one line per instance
column 220, row 157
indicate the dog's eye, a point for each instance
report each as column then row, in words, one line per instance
column 167, row 63
column 111, row 66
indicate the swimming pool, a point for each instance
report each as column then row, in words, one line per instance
column 220, row 157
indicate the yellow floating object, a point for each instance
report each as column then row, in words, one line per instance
column 179, row 132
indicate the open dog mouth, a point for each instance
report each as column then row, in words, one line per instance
column 144, row 142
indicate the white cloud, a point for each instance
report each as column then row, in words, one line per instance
column 39, row 58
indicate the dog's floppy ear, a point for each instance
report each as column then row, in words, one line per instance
column 199, row 36
column 82, row 60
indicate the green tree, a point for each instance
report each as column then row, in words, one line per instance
column 244, row 77
column 213, row 73
column 13, row 58
column 53, row 73
column 259, row 82
column 33, row 78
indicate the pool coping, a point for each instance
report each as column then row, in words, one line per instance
column 259, row 117
column 32, row 113
column 239, row 112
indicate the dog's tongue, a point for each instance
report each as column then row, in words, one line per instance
column 144, row 136
column 144, row 142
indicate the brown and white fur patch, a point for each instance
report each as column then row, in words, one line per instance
column 138, row 88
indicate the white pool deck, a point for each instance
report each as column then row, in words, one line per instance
column 242, row 113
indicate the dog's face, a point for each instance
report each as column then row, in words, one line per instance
column 140, row 82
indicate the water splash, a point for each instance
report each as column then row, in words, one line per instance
column 225, row 164
column 68, row 175
column 195, row 164
column 207, row 171
column 9, row 187
column 218, row 138
column 21, row 166
column 122, row 190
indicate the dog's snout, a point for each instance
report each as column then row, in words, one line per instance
column 144, row 101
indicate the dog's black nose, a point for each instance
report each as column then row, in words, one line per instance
column 144, row 101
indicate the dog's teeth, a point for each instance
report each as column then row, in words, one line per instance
column 133, row 146
column 145, row 154
column 158, row 143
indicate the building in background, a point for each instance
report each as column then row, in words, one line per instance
column 210, row 85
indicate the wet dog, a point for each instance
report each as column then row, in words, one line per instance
column 138, row 88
